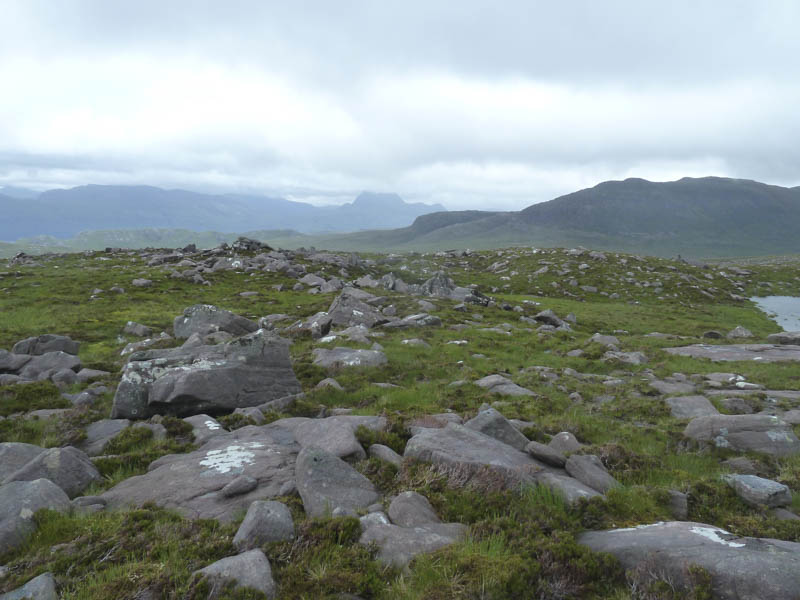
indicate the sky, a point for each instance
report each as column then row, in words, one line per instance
column 472, row 104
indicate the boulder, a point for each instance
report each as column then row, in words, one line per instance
column 137, row 329
column 11, row 363
column 398, row 545
column 564, row 442
column 410, row 509
column 265, row 522
column 100, row 433
column 193, row 483
column 546, row 454
column 757, row 491
column 349, row 308
column 204, row 427
column 688, row 407
column 44, row 366
column 490, row 422
column 15, row 455
column 418, row 320
column 757, row 433
column 785, row 337
column 497, row 384
column 739, row 332
column 205, row 318
column 341, row 358
column 43, row 344
column 42, row 587
column 19, row 500
column 626, row 358
column 740, row 567
column 248, row 371
column 382, row 452
column 331, row 435
column 247, row 570
column 69, row 468
column 589, row 470
column 328, row 485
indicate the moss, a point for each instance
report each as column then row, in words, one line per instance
column 236, row 421
column 25, row 397
column 395, row 437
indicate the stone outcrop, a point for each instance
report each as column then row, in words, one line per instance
column 217, row 379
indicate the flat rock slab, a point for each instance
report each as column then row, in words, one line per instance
column 757, row 491
column 688, row 407
column 734, row 352
column 758, row 433
column 245, row 372
column 740, row 567
column 497, row 384
column 192, row 483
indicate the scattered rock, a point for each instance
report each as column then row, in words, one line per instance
column 69, row 468
column 329, row 485
column 265, row 522
column 497, row 384
column 19, row 500
column 492, row 423
column 247, row 570
column 688, row 407
column 42, row 587
column 341, row 358
column 757, row 491
column 43, row 344
column 758, row 433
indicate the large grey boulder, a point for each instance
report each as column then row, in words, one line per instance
column 342, row 358
column 758, row 433
column 205, row 318
column 328, row 485
column 497, row 384
column 19, row 500
column 247, row 570
column 417, row 320
column 490, row 422
column 757, row 491
column 350, row 308
column 43, row 344
column 11, row 363
column 546, row 454
column 42, row 587
column 741, row 568
column 15, row 455
column 247, row 371
column 736, row 352
column 688, row 407
column 472, row 451
column 265, row 522
column 69, row 468
column 193, row 483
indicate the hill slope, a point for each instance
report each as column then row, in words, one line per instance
column 65, row 213
column 706, row 217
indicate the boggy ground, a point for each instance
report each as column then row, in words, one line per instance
column 522, row 543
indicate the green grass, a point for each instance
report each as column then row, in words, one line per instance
column 520, row 544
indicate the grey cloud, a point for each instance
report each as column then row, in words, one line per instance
column 475, row 104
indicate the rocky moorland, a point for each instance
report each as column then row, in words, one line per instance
column 243, row 422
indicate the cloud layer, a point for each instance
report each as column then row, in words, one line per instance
column 466, row 104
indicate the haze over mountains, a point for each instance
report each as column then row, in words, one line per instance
column 704, row 217
column 63, row 213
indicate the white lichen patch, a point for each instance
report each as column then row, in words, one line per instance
column 713, row 534
column 779, row 436
column 232, row 457
column 212, row 425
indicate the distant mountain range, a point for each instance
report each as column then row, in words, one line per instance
column 710, row 217
column 65, row 213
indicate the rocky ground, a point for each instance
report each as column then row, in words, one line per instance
column 243, row 422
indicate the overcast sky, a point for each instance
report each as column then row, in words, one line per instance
column 495, row 104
